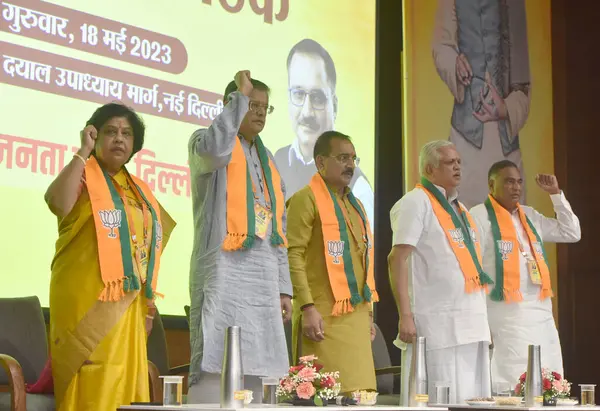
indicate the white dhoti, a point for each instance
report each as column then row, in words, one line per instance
column 514, row 327
column 465, row 368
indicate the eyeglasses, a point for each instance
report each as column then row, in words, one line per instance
column 256, row 106
column 318, row 98
column 346, row 158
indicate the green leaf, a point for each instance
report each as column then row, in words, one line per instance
column 318, row 401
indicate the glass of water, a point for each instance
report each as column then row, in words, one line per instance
column 269, row 385
column 172, row 390
column 588, row 394
column 501, row 389
column 442, row 393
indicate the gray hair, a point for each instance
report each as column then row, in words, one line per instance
column 430, row 155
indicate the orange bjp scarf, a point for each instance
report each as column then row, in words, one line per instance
column 462, row 239
column 335, row 222
column 241, row 218
column 506, row 250
column 112, row 234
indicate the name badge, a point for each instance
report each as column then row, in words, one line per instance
column 534, row 271
column 141, row 258
column 263, row 218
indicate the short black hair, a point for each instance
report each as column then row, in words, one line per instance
column 499, row 166
column 104, row 113
column 257, row 84
column 309, row 46
column 323, row 144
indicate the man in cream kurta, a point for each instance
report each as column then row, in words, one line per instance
column 515, row 325
column 480, row 51
column 432, row 299
column 341, row 342
column 248, row 288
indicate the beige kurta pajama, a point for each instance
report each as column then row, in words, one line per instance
column 347, row 344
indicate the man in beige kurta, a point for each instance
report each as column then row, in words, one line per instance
column 341, row 342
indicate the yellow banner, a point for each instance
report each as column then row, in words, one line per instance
column 171, row 62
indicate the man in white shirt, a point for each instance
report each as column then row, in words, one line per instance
column 437, row 279
column 519, row 306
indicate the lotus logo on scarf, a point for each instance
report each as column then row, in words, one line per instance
column 335, row 249
column 505, row 248
column 538, row 248
column 111, row 219
column 457, row 236
column 473, row 234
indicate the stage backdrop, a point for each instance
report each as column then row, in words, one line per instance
column 523, row 78
column 170, row 60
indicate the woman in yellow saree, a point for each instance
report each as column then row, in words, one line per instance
column 111, row 234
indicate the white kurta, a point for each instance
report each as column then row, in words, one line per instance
column 516, row 325
column 454, row 323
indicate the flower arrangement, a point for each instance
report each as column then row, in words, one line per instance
column 553, row 385
column 305, row 381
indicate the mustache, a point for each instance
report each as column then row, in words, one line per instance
column 349, row 171
column 310, row 122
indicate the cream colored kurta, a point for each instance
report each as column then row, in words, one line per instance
column 516, row 325
column 347, row 344
column 453, row 322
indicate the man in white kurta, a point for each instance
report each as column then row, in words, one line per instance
column 429, row 286
column 480, row 51
column 515, row 325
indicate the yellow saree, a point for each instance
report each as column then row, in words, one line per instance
column 109, row 335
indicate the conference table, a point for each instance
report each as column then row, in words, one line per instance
column 259, row 407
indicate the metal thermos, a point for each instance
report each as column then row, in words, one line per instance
column 417, row 380
column 533, row 382
column 232, row 374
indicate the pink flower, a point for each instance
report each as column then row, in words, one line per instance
column 556, row 375
column 523, row 377
column 305, row 391
column 288, row 386
column 307, row 358
column 307, row 374
column 557, row 385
